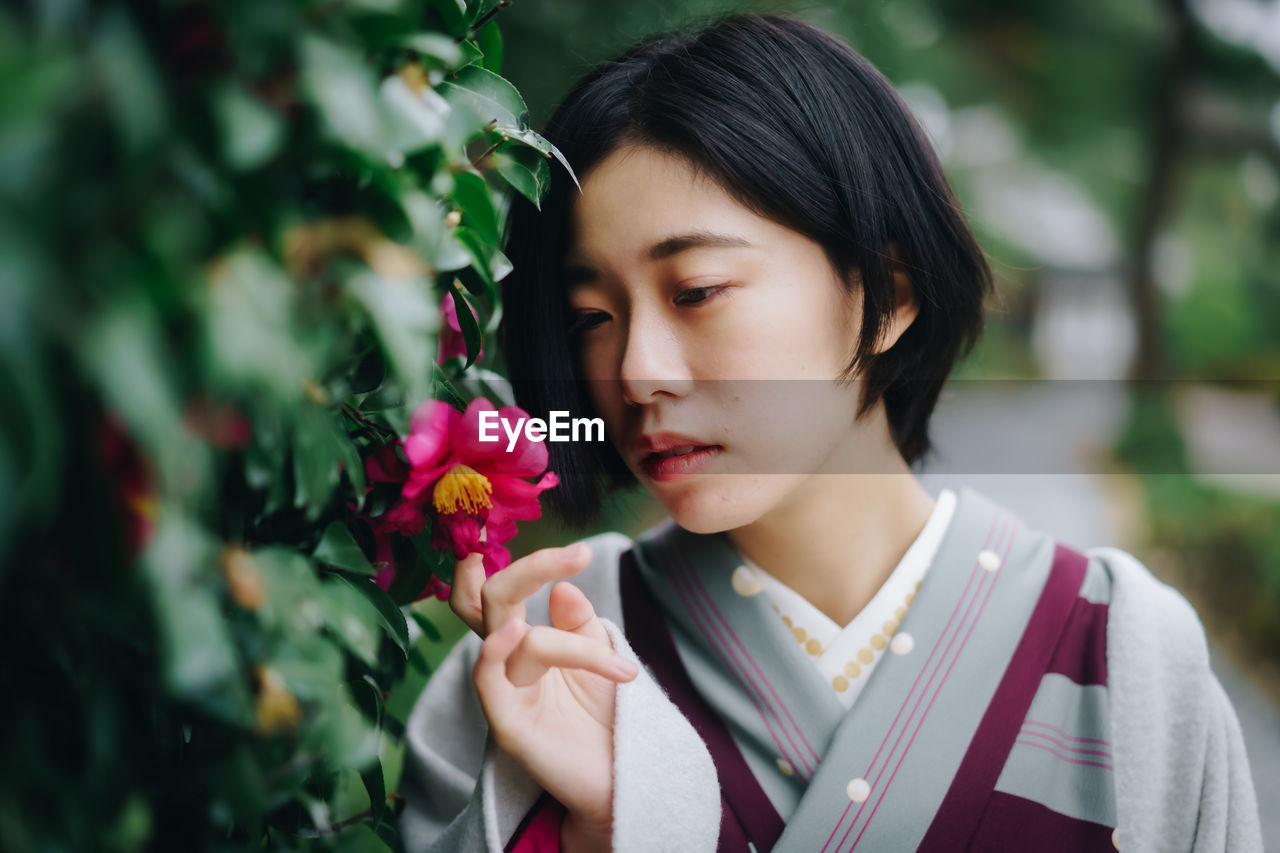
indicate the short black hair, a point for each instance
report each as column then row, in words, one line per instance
column 802, row 130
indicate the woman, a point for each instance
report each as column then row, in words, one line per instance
column 760, row 287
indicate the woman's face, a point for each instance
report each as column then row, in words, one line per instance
column 703, row 325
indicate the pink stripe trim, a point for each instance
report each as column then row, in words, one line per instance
column 1053, row 740
column 1064, row 734
column 768, row 685
column 974, row 573
column 1065, row 758
column 1008, row 546
column 722, row 649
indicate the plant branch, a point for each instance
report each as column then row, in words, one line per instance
column 486, row 18
column 359, row 417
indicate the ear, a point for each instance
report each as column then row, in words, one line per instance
column 906, row 306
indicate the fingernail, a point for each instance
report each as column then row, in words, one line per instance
column 575, row 552
column 624, row 667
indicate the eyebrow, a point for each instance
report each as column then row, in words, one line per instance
column 665, row 248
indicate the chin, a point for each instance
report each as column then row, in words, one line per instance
column 714, row 503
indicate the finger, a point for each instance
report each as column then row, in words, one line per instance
column 542, row 648
column 571, row 611
column 464, row 597
column 502, row 596
column 489, row 675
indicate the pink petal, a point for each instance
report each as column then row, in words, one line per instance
column 452, row 342
column 405, row 518
column 496, row 559
column 384, row 466
column 458, row 532
column 499, row 530
column 518, row 499
column 527, row 458
column 420, row 480
column 464, row 437
column 429, row 431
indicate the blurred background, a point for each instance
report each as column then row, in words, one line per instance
column 1120, row 163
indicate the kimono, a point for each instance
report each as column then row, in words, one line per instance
column 1031, row 697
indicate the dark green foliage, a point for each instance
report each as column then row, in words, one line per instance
column 225, row 232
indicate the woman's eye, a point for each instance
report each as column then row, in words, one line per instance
column 580, row 323
column 694, row 295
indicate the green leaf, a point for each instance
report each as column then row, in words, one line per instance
column 338, row 548
column 352, row 617
column 470, row 55
column 348, row 739
column 252, row 132
column 526, row 170
column 428, row 627
column 474, row 200
column 481, row 281
column 453, row 14
column 315, row 460
column 490, row 41
column 293, row 590
column 440, row 563
column 360, row 838
column 199, row 660
column 446, row 51
column 123, row 75
column 352, row 464
column 539, row 143
column 406, row 318
column 467, row 321
column 124, row 352
column 490, row 96
column 344, row 91
column 411, row 575
column 389, row 613
column 310, row 664
column 419, row 661
column 415, row 119
column 250, row 309
column 377, row 788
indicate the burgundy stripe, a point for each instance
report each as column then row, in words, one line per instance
column 703, row 621
column 539, row 831
column 777, row 700
column 1064, row 734
column 741, row 795
column 1016, row 823
column 1082, row 654
column 975, row 573
column 1004, row 556
column 1064, row 756
column 975, row 780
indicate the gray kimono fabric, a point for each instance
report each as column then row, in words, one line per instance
column 1181, row 777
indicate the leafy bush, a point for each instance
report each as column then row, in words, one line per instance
column 225, row 233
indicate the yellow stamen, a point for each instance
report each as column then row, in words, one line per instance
column 462, row 488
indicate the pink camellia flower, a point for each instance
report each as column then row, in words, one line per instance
column 477, row 490
column 452, row 341
column 474, row 491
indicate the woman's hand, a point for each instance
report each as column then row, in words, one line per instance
column 548, row 691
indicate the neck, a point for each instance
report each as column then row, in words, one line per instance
column 839, row 536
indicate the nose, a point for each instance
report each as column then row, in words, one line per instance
column 653, row 363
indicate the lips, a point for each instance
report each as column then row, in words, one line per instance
column 666, row 455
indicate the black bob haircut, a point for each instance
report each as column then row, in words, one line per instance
column 800, row 129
